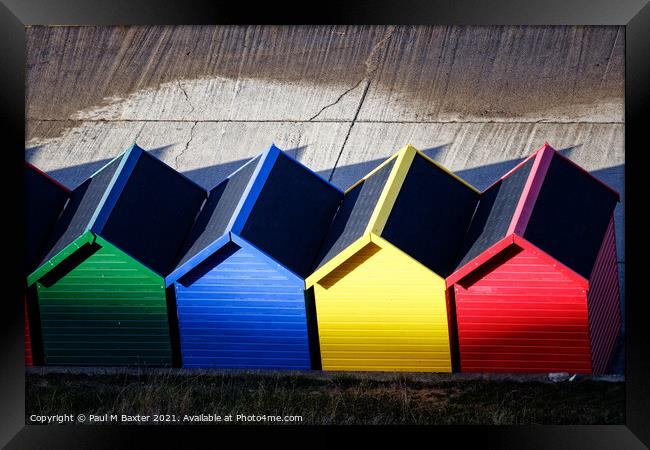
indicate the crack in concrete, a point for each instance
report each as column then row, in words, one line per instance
column 135, row 140
column 187, row 144
column 187, row 97
column 372, row 61
column 337, row 100
column 372, row 64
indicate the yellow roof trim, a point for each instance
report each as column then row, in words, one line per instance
column 403, row 159
column 372, row 172
column 380, row 241
column 391, row 190
column 440, row 166
column 339, row 259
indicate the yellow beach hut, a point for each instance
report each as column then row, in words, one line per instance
column 378, row 284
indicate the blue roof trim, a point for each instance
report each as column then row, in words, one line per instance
column 253, row 189
column 107, row 164
column 114, row 189
column 244, row 243
column 197, row 259
column 315, row 173
column 225, row 238
column 178, row 172
column 239, row 169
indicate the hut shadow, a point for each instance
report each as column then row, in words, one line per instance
column 207, row 177
column 345, row 176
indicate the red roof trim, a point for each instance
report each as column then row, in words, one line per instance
column 590, row 175
column 521, row 216
column 513, row 239
column 546, row 144
column 531, row 189
column 481, row 259
column 511, row 171
column 32, row 166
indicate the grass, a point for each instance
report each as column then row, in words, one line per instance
column 328, row 398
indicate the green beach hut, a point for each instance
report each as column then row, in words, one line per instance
column 100, row 282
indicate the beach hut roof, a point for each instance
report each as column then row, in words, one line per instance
column 412, row 202
column 45, row 199
column 135, row 202
column 273, row 202
column 551, row 202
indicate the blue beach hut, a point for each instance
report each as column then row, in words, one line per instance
column 239, row 282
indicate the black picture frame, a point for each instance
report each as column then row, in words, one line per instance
column 633, row 14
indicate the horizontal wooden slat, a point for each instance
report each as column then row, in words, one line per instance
column 109, row 310
column 521, row 319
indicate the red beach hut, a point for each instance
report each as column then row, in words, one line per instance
column 536, row 283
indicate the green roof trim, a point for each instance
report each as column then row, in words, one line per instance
column 44, row 269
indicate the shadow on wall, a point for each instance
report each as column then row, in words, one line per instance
column 74, row 175
column 207, row 177
column 344, row 176
column 481, row 177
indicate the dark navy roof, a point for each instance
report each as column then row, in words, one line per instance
column 494, row 213
column 354, row 214
column 273, row 202
column 571, row 215
column 78, row 213
column 45, row 199
column 427, row 220
column 137, row 203
column 431, row 215
column 215, row 216
column 570, row 211
column 291, row 215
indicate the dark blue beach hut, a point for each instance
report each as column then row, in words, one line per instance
column 239, row 281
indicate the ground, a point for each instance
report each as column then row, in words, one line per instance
column 327, row 398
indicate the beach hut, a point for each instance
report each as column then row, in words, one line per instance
column 44, row 200
column 536, row 282
column 379, row 279
column 100, row 284
column 239, row 281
